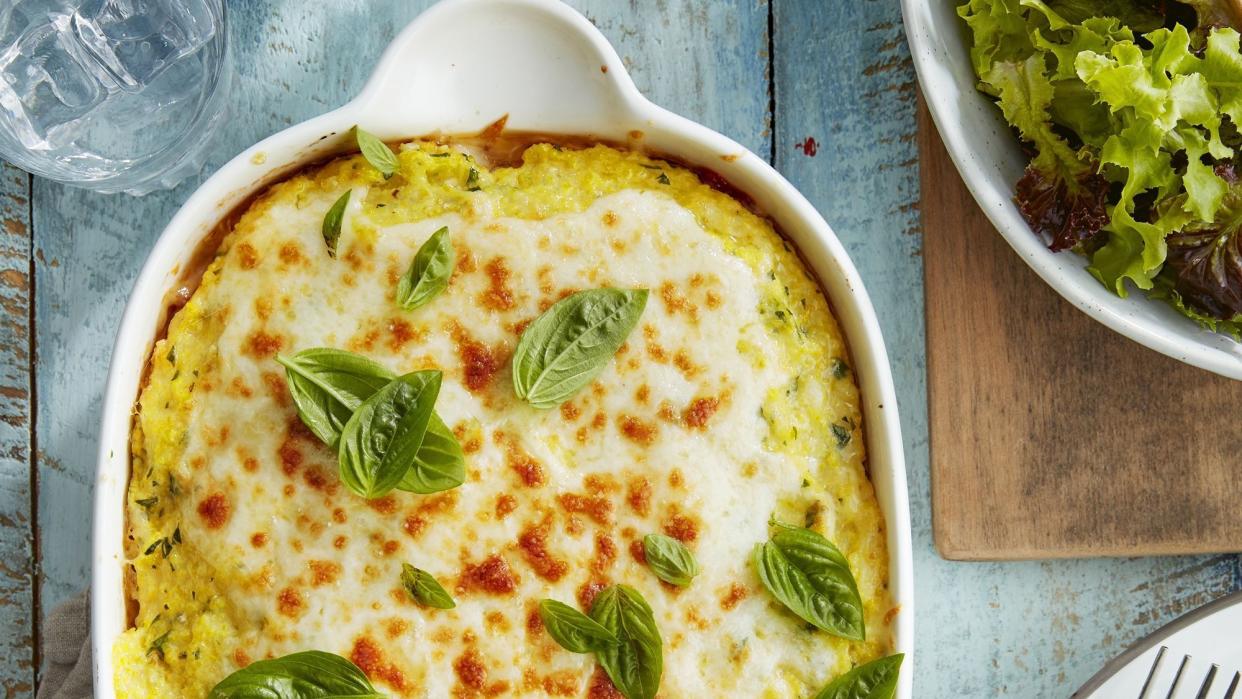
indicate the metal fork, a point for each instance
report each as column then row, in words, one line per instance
column 1177, row 679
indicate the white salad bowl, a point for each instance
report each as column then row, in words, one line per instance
column 457, row 68
column 990, row 161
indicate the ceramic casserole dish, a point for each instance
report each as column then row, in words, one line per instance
column 550, row 71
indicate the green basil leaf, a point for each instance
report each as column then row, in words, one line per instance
column 574, row 631
column 328, row 385
column 875, row 680
column 376, row 152
column 380, row 442
column 669, row 559
column 424, row 588
column 635, row 664
column 440, row 463
column 332, row 223
column 570, row 344
column 808, row 575
column 429, row 273
column 307, row 675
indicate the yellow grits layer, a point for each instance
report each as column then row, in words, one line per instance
column 212, row 428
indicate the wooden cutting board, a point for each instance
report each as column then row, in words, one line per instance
column 1051, row 435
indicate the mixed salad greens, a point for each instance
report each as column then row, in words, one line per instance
column 1131, row 112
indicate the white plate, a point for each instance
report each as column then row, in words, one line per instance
column 988, row 157
column 1210, row 635
column 455, row 69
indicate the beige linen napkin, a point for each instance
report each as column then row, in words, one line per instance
column 67, row 651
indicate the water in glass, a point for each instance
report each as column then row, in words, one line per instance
column 114, row 95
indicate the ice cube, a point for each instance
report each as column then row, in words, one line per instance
column 136, row 40
column 45, row 83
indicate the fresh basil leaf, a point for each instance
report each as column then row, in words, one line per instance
column 429, row 273
column 376, row 152
column 380, row 442
column 636, row 662
column 332, row 223
column 570, row 344
column 875, row 680
column 574, row 631
column 328, row 385
column 808, row 575
column 669, row 559
column 440, row 463
column 306, row 675
column 424, row 588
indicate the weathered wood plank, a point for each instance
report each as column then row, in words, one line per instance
column 996, row 333
column 295, row 60
column 983, row 629
column 842, row 77
column 17, row 645
column 703, row 59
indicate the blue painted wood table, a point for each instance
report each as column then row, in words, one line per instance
column 780, row 76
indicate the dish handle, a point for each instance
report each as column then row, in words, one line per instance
column 463, row 64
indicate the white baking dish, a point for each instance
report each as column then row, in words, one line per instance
column 457, row 68
column 990, row 160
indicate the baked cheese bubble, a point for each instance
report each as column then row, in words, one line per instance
column 730, row 404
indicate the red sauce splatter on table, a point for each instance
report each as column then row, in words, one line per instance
column 809, row 147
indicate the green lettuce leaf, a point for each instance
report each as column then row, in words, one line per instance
column 1164, row 108
column 1025, row 92
column 1059, row 195
column 1131, row 126
column 1097, row 35
column 1000, row 32
column 1222, row 67
column 1139, row 15
column 1135, row 251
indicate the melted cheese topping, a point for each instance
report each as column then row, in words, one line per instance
column 714, row 417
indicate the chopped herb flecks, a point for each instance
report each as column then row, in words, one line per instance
column 839, row 368
column 164, row 544
column 842, row 433
column 157, row 646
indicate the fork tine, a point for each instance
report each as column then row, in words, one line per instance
column 1151, row 674
column 1207, row 682
column 1177, row 679
column 1233, row 686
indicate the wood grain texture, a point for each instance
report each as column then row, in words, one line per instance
column 841, row 75
column 1036, row 628
column 1051, row 435
column 1022, row 629
column 295, row 60
column 17, row 647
